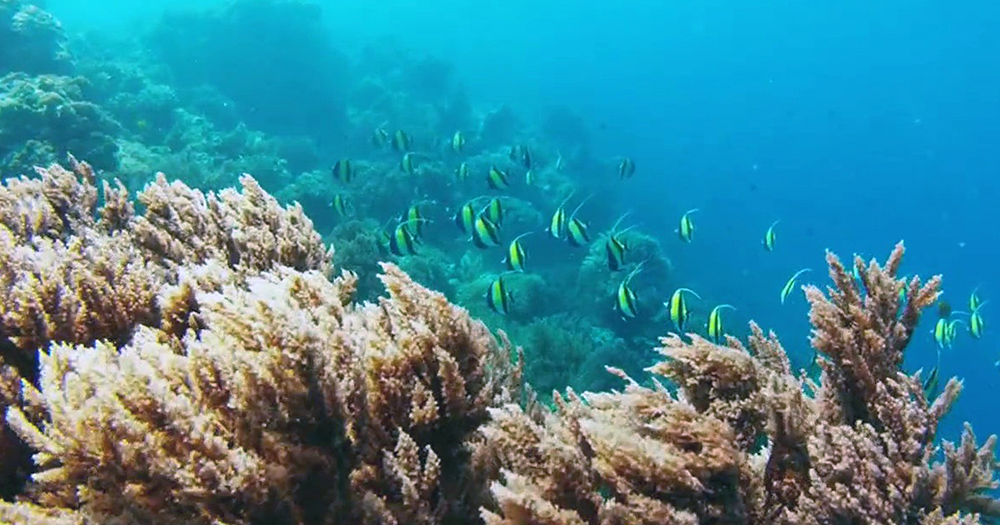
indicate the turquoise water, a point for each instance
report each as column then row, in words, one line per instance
column 855, row 124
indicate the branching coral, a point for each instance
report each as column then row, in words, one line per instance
column 285, row 407
column 74, row 272
column 192, row 362
column 857, row 451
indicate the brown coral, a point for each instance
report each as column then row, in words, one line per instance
column 856, row 451
column 287, row 406
column 193, row 363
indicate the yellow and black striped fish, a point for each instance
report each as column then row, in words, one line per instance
column 626, row 168
column 945, row 331
column 497, row 179
column 557, row 226
column 953, row 330
column 403, row 242
column 462, row 172
column 529, row 178
column 465, row 217
column 517, row 257
column 525, row 157
column 974, row 300
column 485, row 233
column 678, row 308
column 401, row 141
column 716, row 330
column 340, row 204
column 458, row 142
column 976, row 323
column 498, row 297
column 931, row 384
column 494, row 210
column 790, row 285
column 343, row 171
column 407, row 163
column 941, row 333
column 686, row 228
column 626, row 301
column 415, row 217
column 770, row 237
column 576, row 230
column 615, row 247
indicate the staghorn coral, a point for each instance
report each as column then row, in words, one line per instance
column 857, row 447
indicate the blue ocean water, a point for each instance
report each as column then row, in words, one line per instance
column 857, row 124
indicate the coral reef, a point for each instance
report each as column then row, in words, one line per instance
column 195, row 363
column 31, row 40
column 288, row 93
column 44, row 117
column 742, row 441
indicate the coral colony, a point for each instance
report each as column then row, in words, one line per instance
column 195, row 363
column 176, row 355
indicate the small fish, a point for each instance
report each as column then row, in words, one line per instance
column 401, row 141
column 485, row 233
column 343, row 171
column 525, row 157
column 462, row 172
column 716, row 331
column 974, row 300
column 941, row 333
column 686, row 228
column 626, row 168
column 769, row 237
column 790, row 285
column 406, row 164
column 403, row 241
column 529, row 178
column 494, row 210
column 678, row 308
column 416, row 218
column 976, row 324
column 931, row 383
column 516, row 254
column 576, row 230
column 380, row 138
column 627, row 302
column 560, row 162
column 340, row 204
column 497, row 179
column 458, row 142
column 498, row 297
column 385, row 239
column 615, row 247
column 465, row 217
column 953, row 330
column 558, row 223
